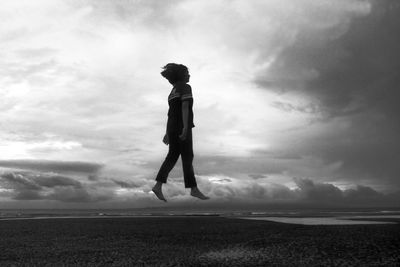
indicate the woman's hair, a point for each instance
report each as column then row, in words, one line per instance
column 174, row 72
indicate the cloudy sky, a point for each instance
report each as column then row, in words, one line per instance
column 295, row 101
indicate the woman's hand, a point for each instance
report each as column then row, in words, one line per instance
column 166, row 139
column 183, row 134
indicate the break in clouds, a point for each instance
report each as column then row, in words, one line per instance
column 282, row 89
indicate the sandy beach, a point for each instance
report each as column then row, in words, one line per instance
column 194, row 241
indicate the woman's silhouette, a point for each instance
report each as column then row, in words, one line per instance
column 179, row 130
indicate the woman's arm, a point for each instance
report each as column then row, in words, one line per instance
column 185, row 118
column 166, row 138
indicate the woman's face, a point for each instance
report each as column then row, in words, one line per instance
column 187, row 78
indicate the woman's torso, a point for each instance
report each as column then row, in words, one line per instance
column 175, row 120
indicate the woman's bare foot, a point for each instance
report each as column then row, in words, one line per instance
column 158, row 192
column 195, row 192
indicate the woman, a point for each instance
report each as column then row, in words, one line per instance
column 179, row 130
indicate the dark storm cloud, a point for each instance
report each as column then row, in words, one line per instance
column 55, row 166
column 39, row 186
column 249, row 191
column 54, row 181
column 368, row 151
column 128, row 184
column 258, row 176
column 93, row 177
column 325, row 193
column 318, row 191
column 263, row 164
column 79, row 195
column 348, row 73
column 368, row 76
column 19, row 181
column 307, row 193
column 70, row 194
column 234, row 165
column 352, row 80
column 36, row 181
column 27, row 195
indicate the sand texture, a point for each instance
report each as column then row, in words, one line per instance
column 194, row 241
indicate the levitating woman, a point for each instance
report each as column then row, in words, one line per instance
column 179, row 130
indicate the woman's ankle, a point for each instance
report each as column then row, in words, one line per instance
column 158, row 185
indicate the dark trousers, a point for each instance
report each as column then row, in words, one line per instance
column 185, row 149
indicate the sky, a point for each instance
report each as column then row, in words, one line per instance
column 295, row 102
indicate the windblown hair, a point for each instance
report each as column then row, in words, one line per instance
column 174, row 72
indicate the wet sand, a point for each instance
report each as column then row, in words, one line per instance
column 193, row 241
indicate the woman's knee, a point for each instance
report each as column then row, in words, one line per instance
column 173, row 155
column 188, row 157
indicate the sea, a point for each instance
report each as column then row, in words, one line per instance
column 291, row 216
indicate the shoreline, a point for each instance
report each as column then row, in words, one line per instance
column 303, row 220
column 356, row 220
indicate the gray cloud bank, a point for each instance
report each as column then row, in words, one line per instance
column 55, row 166
column 307, row 193
column 325, row 193
column 225, row 192
column 34, row 186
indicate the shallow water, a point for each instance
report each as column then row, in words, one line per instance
column 328, row 220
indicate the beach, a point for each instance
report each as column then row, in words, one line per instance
column 194, row 241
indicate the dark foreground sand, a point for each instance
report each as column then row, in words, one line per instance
column 194, row 241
